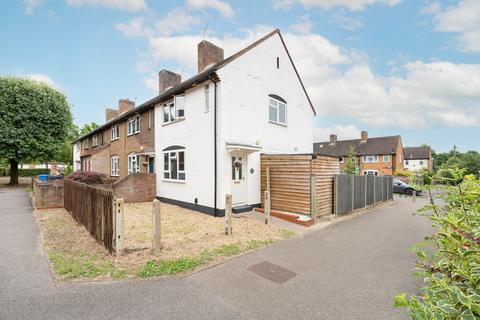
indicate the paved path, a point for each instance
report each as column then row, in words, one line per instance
column 350, row 270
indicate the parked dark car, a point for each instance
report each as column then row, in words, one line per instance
column 404, row 188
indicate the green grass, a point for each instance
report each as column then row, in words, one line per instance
column 287, row 233
column 168, row 267
column 254, row 244
column 228, row 250
column 80, row 265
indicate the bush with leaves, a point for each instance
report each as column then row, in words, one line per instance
column 451, row 266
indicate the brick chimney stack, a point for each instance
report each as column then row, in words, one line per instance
column 333, row 138
column 167, row 79
column 208, row 54
column 110, row 114
column 124, row 105
column 364, row 136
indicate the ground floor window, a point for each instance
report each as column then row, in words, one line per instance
column 151, row 164
column 133, row 164
column 174, row 165
column 115, row 166
column 370, row 172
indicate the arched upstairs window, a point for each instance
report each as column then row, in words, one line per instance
column 174, row 163
column 277, row 109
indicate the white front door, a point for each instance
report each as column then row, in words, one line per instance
column 238, row 179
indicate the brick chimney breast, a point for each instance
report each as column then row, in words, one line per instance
column 364, row 136
column 167, row 79
column 208, row 54
column 333, row 138
column 110, row 114
column 125, row 105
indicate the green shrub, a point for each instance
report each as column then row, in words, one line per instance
column 25, row 172
column 451, row 265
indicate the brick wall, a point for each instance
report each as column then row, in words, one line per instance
column 138, row 187
column 48, row 194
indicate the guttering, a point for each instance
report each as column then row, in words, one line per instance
column 214, row 78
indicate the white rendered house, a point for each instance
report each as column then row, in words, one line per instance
column 417, row 158
column 211, row 129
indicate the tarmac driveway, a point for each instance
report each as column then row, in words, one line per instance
column 349, row 270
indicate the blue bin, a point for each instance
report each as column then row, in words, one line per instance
column 43, row 177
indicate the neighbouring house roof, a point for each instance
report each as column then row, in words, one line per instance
column 423, row 152
column 377, row 145
column 209, row 73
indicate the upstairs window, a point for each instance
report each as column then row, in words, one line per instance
column 370, row 158
column 150, row 118
column 277, row 110
column 94, row 141
column 115, row 166
column 386, row 158
column 85, row 143
column 133, row 164
column 134, row 125
column 115, row 134
column 174, row 110
column 174, row 165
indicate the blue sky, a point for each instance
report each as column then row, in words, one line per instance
column 389, row 66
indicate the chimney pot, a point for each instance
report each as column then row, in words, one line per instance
column 110, row 114
column 364, row 136
column 167, row 79
column 124, row 105
column 333, row 138
column 208, row 54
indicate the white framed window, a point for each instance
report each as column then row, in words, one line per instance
column 399, row 158
column 115, row 166
column 133, row 164
column 386, row 158
column 94, row 141
column 115, row 132
column 340, row 159
column 370, row 172
column 406, row 162
column 277, row 111
column 174, row 110
column 421, row 162
column 150, row 118
column 133, row 125
column 206, row 91
column 174, row 165
column 85, row 143
column 370, row 158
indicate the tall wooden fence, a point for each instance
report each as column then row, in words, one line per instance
column 94, row 208
column 354, row 192
column 300, row 183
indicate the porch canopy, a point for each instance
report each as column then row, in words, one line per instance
column 236, row 146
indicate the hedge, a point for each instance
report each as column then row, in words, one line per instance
column 25, row 172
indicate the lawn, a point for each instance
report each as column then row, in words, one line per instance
column 190, row 240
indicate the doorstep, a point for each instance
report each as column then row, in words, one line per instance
column 299, row 219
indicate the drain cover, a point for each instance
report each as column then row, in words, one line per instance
column 272, row 272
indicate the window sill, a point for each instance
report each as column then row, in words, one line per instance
column 278, row 123
column 132, row 134
column 174, row 181
column 172, row 122
column 111, row 140
column 115, row 175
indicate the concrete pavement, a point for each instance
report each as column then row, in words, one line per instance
column 349, row 270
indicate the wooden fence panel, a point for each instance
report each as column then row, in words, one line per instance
column 92, row 207
column 325, row 168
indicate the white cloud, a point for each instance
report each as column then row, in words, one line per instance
column 303, row 26
column 31, row 5
column 134, row 28
column 43, row 78
column 462, row 19
column 222, row 7
column 343, row 132
column 344, row 21
column 353, row 5
column 176, row 20
column 127, row 5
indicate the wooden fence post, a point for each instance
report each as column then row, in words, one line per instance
column 118, row 234
column 366, row 185
column 335, row 194
column 352, row 182
column 228, row 214
column 156, row 239
column 266, row 208
column 313, row 197
column 268, row 180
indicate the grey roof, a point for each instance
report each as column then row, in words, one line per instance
column 378, row 145
column 209, row 73
column 423, row 152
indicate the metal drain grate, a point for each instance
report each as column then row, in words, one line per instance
column 272, row 272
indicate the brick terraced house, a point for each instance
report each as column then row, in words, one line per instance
column 123, row 145
column 377, row 156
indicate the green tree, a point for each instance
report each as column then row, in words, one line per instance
column 351, row 162
column 74, row 133
column 470, row 161
column 35, row 119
